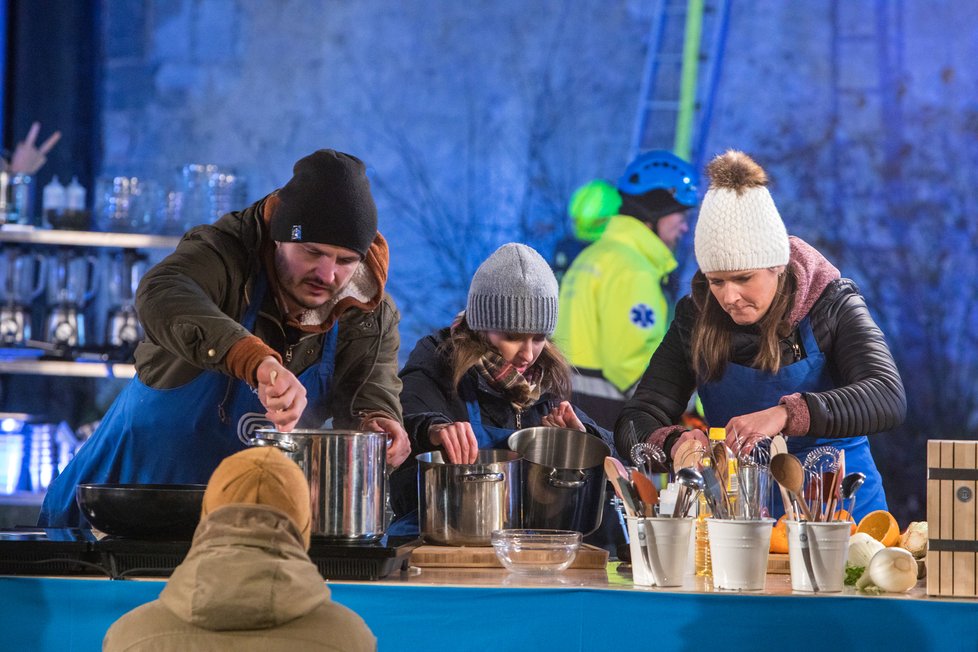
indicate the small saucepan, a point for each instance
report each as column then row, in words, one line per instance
column 142, row 511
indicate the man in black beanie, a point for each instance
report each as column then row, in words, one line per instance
column 275, row 315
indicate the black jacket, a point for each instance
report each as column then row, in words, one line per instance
column 868, row 395
column 427, row 398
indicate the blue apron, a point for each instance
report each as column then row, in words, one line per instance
column 178, row 435
column 743, row 390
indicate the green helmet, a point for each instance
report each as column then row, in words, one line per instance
column 590, row 207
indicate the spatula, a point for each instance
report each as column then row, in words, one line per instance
column 646, row 491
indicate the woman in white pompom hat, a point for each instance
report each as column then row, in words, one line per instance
column 772, row 338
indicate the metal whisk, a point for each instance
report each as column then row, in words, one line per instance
column 754, row 480
column 821, row 474
column 649, row 457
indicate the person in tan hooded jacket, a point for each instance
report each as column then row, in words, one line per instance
column 247, row 582
column 274, row 315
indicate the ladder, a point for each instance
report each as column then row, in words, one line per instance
column 680, row 77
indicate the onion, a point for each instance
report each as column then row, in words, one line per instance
column 893, row 570
column 862, row 547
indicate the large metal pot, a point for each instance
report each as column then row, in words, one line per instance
column 563, row 478
column 346, row 471
column 461, row 504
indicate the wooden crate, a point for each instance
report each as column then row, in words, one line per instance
column 952, row 484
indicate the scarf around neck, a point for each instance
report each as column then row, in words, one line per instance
column 522, row 390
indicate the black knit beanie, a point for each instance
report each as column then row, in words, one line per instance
column 651, row 206
column 327, row 201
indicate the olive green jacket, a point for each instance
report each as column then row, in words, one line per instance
column 192, row 302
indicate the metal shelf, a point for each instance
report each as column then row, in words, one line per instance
column 30, row 235
column 67, row 368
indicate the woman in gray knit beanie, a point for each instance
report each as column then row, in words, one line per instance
column 494, row 371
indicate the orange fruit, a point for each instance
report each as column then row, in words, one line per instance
column 843, row 515
column 779, row 536
column 881, row 526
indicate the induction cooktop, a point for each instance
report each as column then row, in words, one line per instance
column 70, row 551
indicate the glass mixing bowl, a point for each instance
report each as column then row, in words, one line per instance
column 536, row 551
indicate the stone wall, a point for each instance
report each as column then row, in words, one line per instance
column 477, row 120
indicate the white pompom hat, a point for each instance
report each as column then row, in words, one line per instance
column 738, row 227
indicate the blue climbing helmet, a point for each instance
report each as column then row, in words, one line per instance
column 660, row 169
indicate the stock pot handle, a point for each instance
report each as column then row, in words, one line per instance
column 567, row 484
column 482, row 477
column 284, row 445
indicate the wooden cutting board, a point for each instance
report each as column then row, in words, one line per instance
column 588, row 556
column 777, row 563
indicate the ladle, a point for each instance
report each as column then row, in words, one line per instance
column 692, row 483
column 790, row 474
column 850, row 485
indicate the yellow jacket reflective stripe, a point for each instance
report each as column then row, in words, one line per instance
column 613, row 311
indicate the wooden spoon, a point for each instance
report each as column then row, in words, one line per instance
column 611, row 470
column 688, row 453
column 790, row 474
column 721, row 464
column 779, row 445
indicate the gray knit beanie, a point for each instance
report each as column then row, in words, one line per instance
column 513, row 291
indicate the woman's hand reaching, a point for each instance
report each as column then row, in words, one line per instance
column 744, row 432
column 457, row 440
column 563, row 416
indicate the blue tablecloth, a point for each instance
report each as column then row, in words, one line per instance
column 73, row 614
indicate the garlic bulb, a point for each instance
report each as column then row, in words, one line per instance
column 915, row 539
column 893, row 570
column 862, row 547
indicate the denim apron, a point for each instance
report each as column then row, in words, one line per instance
column 178, row 435
column 743, row 390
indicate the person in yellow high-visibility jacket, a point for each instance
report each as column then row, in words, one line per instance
column 613, row 310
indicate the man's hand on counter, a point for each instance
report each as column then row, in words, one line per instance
column 281, row 393
column 400, row 446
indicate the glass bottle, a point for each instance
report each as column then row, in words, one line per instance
column 704, row 567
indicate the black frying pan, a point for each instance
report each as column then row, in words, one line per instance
column 142, row 511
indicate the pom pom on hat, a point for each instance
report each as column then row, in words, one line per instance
column 513, row 291
column 261, row 476
column 327, row 201
column 739, row 227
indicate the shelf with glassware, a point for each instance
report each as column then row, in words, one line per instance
column 54, row 278
column 17, row 234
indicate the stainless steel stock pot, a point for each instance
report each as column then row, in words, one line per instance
column 461, row 504
column 563, row 478
column 347, row 475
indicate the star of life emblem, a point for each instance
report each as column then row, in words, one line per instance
column 642, row 315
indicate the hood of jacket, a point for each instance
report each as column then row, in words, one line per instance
column 247, row 569
column 812, row 273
